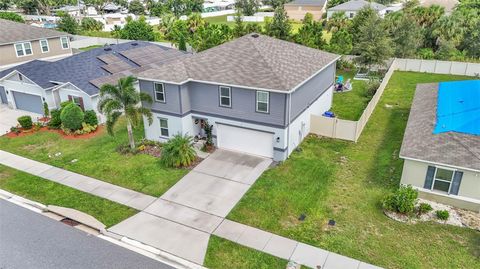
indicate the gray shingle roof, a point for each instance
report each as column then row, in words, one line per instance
column 258, row 62
column 83, row 68
column 11, row 32
column 419, row 142
column 355, row 5
column 319, row 3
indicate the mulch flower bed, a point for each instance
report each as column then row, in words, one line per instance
column 22, row 133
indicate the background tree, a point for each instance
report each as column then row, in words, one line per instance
column 341, row 42
column 136, row 7
column 338, row 21
column 137, row 30
column 5, row 4
column 99, row 4
column 157, row 9
column 178, row 33
column 407, row 36
column 310, row 33
column 364, row 15
column 193, row 6
column 247, row 7
column 11, row 16
column 68, row 24
column 123, row 98
column 239, row 26
column 448, row 51
column 28, row 6
column 374, row 46
column 177, row 7
column 471, row 42
column 209, row 36
column 90, row 24
column 279, row 26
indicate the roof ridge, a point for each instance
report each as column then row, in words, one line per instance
column 282, row 82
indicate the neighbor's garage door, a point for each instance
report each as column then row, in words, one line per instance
column 245, row 140
column 28, row 102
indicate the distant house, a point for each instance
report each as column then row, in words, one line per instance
column 79, row 77
column 257, row 92
column 297, row 9
column 449, row 5
column 20, row 43
column 351, row 8
column 441, row 145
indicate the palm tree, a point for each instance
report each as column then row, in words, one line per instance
column 123, row 98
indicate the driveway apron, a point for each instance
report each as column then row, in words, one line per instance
column 181, row 220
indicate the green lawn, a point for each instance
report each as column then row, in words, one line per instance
column 97, row 157
column 350, row 105
column 90, row 47
column 226, row 254
column 51, row 193
column 345, row 181
column 223, row 20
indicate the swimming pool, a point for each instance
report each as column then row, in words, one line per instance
column 458, row 107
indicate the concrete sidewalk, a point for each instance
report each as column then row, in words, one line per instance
column 83, row 183
column 182, row 226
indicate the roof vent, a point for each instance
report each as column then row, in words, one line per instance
column 135, row 44
column 107, row 49
column 255, row 35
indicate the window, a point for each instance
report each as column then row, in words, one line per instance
column 262, row 101
column 442, row 180
column 64, row 41
column 159, row 92
column 44, row 45
column 164, row 127
column 225, row 96
column 23, row 49
column 76, row 100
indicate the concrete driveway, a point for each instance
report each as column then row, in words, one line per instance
column 181, row 220
column 8, row 117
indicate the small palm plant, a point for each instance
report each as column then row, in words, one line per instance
column 178, row 151
column 123, row 98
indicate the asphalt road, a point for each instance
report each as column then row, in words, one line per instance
column 30, row 240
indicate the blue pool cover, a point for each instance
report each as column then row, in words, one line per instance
column 458, row 107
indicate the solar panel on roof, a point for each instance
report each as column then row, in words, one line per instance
column 116, row 67
column 109, row 58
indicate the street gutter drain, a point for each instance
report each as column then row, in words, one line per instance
column 70, row 222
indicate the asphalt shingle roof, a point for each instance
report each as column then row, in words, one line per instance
column 80, row 69
column 11, row 32
column 419, row 142
column 355, row 5
column 253, row 60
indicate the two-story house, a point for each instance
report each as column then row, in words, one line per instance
column 258, row 93
column 20, row 43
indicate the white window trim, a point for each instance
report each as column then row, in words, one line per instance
column 23, row 49
column 61, row 43
column 268, row 102
column 163, row 92
column 435, row 179
column 41, row 47
column 222, row 96
column 167, row 128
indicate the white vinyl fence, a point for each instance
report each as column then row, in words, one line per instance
column 351, row 130
column 86, row 41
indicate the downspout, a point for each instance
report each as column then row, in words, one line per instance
column 289, row 118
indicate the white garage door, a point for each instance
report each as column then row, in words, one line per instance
column 245, row 140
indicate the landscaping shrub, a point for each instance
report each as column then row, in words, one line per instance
column 372, row 87
column 402, row 201
column 64, row 104
column 178, row 152
column 46, row 111
column 55, row 121
column 72, row 117
column 442, row 214
column 86, row 129
column 90, row 118
column 424, row 208
column 25, row 122
column 37, row 126
column 14, row 129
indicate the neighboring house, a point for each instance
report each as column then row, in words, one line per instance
column 21, row 43
column 449, row 5
column 297, row 9
column 444, row 166
column 258, row 93
column 79, row 77
column 351, row 8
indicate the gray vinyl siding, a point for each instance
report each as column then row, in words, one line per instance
column 185, row 96
column 205, row 99
column 172, row 97
column 308, row 92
